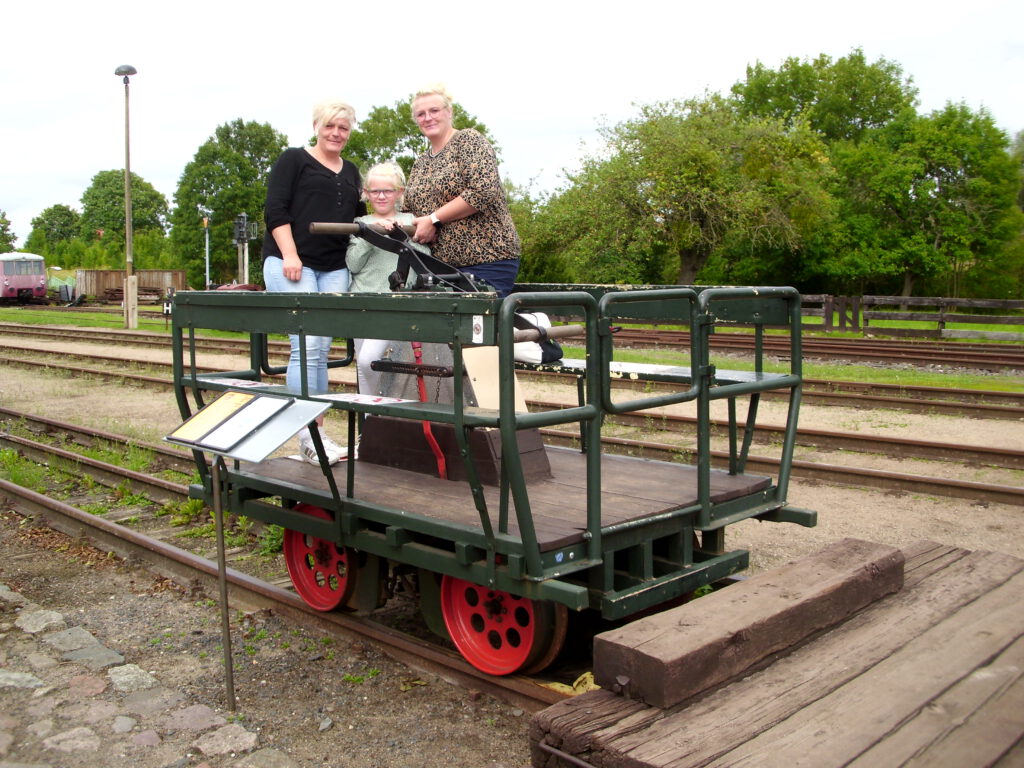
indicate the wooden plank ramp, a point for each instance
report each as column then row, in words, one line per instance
column 930, row 675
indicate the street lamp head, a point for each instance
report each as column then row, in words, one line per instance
column 126, row 70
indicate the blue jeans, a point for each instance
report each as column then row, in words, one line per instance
column 317, row 347
column 500, row 274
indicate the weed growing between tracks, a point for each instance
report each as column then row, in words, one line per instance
column 62, row 479
column 21, row 471
column 133, row 457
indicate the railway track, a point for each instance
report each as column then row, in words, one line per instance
column 959, row 354
column 959, row 402
column 954, row 354
column 156, row 550
column 193, row 570
column 673, row 433
column 189, row 567
column 678, row 429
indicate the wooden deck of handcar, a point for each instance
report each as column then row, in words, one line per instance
column 632, row 489
column 929, row 675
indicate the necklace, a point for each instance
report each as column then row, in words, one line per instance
column 325, row 160
column 430, row 150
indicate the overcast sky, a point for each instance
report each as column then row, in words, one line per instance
column 541, row 75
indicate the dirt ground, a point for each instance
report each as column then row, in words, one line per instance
column 321, row 702
column 394, row 716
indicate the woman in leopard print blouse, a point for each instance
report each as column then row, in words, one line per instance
column 456, row 195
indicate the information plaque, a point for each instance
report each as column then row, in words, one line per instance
column 246, row 426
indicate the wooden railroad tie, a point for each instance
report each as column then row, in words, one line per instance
column 729, row 631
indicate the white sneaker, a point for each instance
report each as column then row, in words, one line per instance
column 335, row 452
column 332, row 450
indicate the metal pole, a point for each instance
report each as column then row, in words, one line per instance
column 222, row 583
column 131, row 305
column 206, row 228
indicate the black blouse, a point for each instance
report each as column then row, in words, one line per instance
column 301, row 190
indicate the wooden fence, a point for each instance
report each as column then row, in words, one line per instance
column 108, row 284
column 837, row 313
column 945, row 311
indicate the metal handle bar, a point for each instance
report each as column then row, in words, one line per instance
column 555, row 332
column 330, row 228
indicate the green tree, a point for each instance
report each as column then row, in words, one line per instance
column 927, row 197
column 79, row 253
column 840, row 99
column 103, row 208
column 7, row 237
column 54, row 225
column 683, row 181
column 542, row 259
column 226, row 178
column 390, row 133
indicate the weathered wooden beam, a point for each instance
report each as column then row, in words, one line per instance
column 666, row 658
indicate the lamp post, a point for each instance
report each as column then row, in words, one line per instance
column 131, row 280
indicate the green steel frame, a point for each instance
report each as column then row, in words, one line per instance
column 617, row 569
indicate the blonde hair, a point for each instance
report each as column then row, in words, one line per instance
column 387, row 170
column 327, row 111
column 433, row 89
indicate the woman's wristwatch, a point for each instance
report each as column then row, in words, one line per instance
column 434, row 220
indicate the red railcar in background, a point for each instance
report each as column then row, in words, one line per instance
column 22, row 276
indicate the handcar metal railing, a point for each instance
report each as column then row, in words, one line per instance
column 492, row 553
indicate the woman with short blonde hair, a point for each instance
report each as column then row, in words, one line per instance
column 307, row 184
column 331, row 109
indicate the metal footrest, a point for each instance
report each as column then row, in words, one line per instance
column 412, row 369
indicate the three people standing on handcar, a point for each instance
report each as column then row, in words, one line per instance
column 457, row 203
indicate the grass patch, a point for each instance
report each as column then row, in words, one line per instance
column 270, row 541
column 126, row 497
column 97, row 319
column 131, row 457
column 185, row 512
column 21, row 471
column 206, row 531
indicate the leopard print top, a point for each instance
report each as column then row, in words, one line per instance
column 468, row 167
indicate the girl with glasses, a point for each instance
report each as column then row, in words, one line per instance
column 370, row 267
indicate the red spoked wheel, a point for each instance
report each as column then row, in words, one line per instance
column 500, row 633
column 321, row 571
